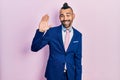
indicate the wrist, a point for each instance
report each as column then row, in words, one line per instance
column 41, row 30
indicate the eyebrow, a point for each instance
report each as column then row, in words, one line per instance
column 66, row 13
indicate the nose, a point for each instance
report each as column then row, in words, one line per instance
column 65, row 18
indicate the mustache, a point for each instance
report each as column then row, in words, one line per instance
column 65, row 20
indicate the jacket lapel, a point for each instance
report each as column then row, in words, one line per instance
column 60, row 37
column 71, row 42
column 61, row 41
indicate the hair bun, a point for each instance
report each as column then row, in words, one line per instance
column 65, row 5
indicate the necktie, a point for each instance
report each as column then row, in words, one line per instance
column 67, row 37
column 66, row 44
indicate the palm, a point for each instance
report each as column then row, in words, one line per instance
column 43, row 26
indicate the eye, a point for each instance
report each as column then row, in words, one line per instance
column 61, row 15
column 68, row 15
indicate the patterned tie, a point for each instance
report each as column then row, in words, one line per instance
column 67, row 37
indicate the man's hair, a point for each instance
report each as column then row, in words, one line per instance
column 66, row 6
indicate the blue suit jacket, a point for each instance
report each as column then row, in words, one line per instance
column 58, row 56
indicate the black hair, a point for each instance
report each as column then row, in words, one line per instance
column 66, row 6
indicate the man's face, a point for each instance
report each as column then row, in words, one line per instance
column 66, row 17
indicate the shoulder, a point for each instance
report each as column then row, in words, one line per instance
column 55, row 28
column 78, row 33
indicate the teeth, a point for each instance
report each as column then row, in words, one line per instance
column 66, row 22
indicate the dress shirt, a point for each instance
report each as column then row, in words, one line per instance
column 64, row 33
column 63, row 37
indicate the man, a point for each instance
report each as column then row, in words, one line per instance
column 65, row 44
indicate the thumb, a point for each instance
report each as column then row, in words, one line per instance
column 49, row 26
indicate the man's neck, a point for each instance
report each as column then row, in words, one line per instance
column 67, row 27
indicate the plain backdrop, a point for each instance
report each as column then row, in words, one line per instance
column 97, row 20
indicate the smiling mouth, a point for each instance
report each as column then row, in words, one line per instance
column 66, row 21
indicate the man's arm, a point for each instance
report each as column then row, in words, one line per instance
column 40, row 40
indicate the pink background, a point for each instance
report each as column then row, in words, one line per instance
column 98, row 20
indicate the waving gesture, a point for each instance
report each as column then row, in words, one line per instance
column 43, row 26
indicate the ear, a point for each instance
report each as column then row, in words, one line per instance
column 73, row 15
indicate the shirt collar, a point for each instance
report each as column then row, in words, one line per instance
column 64, row 29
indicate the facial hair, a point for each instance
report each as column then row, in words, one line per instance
column 66, row 23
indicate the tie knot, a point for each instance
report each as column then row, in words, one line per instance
column 67, row 30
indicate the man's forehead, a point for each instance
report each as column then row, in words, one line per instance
column 66, row 11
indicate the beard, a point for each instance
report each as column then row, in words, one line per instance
column 66, row 23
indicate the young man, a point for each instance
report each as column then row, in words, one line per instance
column 65, row 44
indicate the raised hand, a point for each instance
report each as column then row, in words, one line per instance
column 43, row 26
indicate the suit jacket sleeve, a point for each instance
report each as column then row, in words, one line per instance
column 39, row 41
column 78, row 61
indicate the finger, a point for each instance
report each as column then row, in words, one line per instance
column 49, row 26
column 43, row 18
column 46, row 18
